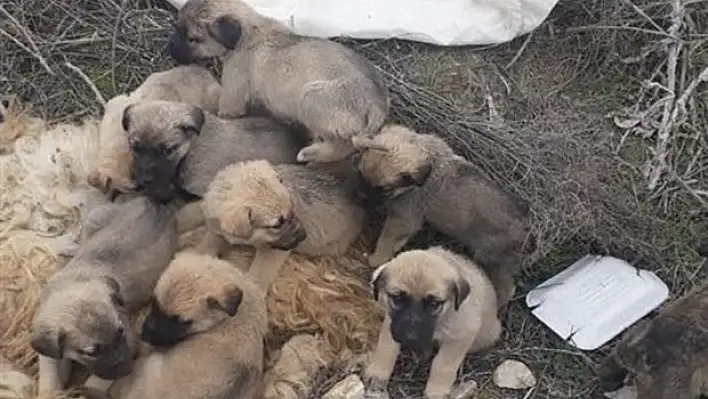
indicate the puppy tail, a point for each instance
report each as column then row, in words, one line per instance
column 190, row 217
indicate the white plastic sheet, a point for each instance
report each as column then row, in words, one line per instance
column 440, row 22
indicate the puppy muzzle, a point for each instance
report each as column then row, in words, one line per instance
column 413, row 331
column 292, row 234
column 161, row 331
column 116, row 366
column 156, row 183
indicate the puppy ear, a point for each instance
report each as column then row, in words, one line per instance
column 419, row 176
column 378, row 281
column 226, row 30
column 125, row 119
column 49, row 344
column 228, row 301
column 116, row 296
column 460, row 291
column 193, row 127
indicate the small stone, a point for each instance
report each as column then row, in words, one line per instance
column 465, row 390
column 349, row 388
column 626, row 392
column 512, row 374
column 13, row 382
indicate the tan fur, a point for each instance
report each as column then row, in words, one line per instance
column 191, row 84
column 330, row 89
column 196, row 145
column 123, row 249
column 667, row 354
column 282, row 208
column 421, row 180
column 436, row 272
column 224, row 357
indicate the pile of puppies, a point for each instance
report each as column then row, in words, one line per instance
column 183, row 150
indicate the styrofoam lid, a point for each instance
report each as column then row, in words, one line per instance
column 595, row 299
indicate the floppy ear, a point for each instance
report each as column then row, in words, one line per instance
column 226, row 30
column 460, row 291
column 47, row 343
column 125, row 119
column 420, row 175
column 227, row 301
column 378, row 281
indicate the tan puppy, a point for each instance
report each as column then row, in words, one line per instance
column 667, row 355
column 191, row 84
column 207, row 323
column 84, row 308
column 326, row 87
column 283, row 208
column 420, row 179
column 432, row 295
column 179, row 148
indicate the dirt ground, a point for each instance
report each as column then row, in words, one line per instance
column 532, row 113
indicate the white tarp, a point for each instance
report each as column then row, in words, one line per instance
column 441, row 22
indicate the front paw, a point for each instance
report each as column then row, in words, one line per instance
column 308, row 154
column 437, row 393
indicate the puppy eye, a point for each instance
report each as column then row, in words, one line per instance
column 117, row 300
column 434, row 305
column 397, row 300
column 194, row 40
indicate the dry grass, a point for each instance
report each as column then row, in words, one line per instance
column 532, row 113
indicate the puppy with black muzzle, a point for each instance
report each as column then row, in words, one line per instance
column 84, row 309
column 207, row 325
column 191, row 84
column 432, row 295
column 420, row 179
column 328, row 88
column 667, row 355
column 283, row 208
column 178, row 148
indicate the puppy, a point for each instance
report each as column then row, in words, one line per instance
column 667, row 355
column 207, row 325
column 432, row 295
column 420, row 179
column 283, row 208
column 178, row 148
column 324, row 86
column 84, row 307
column 191, row 84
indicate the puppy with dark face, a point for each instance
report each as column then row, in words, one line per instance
column 178, row 148
column 432, row 295
column 283, row 208
column 191, row 84
column 207, row 325
column 667, row 355
column 420, row 179
column 333, row 92
column 84, row 308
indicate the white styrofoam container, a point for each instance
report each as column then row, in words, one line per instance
column 595, row 299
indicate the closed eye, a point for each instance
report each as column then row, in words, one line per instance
column 279, row 223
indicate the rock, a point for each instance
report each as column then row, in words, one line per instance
column 465, row 390
column 512, row 374
column 13, row 382
column 349, row 388
column 626, row 392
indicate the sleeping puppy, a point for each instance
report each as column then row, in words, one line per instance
column 178, row 148
column 83, row 314
column 207, row 325
column 191, row 84
column 420, row 179
column 432, row 295
column 283, row 208
column 667, row 355
column 324, row 86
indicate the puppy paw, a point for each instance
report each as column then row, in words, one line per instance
column 433, row 393
column 308, row 154
column 110, row 185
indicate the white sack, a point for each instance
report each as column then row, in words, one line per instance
column 441, row 22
